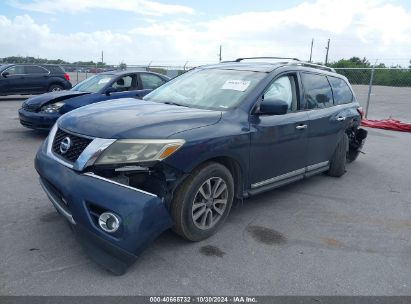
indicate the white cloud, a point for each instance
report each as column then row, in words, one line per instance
column 369, row 28
column 146, row 7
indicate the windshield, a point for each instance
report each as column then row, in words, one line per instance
column 93, row 84
column 207, row 89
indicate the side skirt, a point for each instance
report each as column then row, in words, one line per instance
column 288, row 178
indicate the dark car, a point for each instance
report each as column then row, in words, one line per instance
column 32, row 79
column 41, row 112
column 121, row 173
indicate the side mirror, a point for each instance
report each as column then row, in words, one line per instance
column 110, row 90
column 5, row 74
column 273, row 106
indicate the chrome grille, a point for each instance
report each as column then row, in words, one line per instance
column 78, row 144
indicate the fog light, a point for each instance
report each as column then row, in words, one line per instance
column 109, row 222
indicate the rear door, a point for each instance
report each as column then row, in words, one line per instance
column 326, row 121
column 36, row 78
column 279, row 142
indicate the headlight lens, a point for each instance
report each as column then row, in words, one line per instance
column 131, row 151
column 53, row 107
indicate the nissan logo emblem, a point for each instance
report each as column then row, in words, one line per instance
column 65, row 145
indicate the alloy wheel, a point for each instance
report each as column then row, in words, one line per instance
column 209, row 203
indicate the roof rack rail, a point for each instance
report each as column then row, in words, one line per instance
column 313, row 65
column 245, row 58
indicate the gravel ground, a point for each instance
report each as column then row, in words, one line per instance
column 320, row 236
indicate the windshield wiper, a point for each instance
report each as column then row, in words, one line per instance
column 174, row 104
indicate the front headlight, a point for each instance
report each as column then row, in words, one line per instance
column 52, row 107
column 125, row 151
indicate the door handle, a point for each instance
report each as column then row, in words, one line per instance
column 301, row 127
column 341, row 118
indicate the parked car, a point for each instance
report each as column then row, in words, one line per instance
column 122, row 173
column 32, row 79
column 41, row 112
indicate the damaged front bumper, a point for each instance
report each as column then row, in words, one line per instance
column 37, row 121
column 82, row 197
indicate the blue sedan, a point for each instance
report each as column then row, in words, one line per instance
column 41, row 112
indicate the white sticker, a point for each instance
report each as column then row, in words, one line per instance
column 236, row 85
column 104, row 80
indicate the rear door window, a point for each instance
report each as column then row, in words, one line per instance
column 34, row 69
column 317, row 91
column 341, row 90
column 150, row 81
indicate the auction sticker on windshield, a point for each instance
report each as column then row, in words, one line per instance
column 236, row 85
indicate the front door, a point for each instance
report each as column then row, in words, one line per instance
column 14, row 81
column 279, row 142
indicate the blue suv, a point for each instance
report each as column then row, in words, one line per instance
column 122, row 172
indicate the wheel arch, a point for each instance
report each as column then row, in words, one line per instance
column 235, row 169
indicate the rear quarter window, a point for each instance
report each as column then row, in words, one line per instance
column 317, row 91
column 54, row 69
column 341, row 90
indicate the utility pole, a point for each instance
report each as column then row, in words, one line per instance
column 219, row 56
column 311, row 51
column 102, row 57
column 326, row 54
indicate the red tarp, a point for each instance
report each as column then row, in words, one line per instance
column 387, row 124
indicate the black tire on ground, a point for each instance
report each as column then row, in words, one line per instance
column 55, row 87
column 190, row 194
column 339, row 158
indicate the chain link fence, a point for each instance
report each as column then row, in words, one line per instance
column 78, row 73
column 383, row 92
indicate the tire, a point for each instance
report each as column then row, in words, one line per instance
column 55, row 88
column 190, row 207
column 339, row 158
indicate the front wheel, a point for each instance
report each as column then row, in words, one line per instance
column 202, row 202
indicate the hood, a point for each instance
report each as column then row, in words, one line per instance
column 131, row 118
column 38, row 101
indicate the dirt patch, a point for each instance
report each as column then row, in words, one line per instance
column 266, row 235
column 332, row 242
column 212, row 251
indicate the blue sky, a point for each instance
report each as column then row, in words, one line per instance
column 168, row 31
